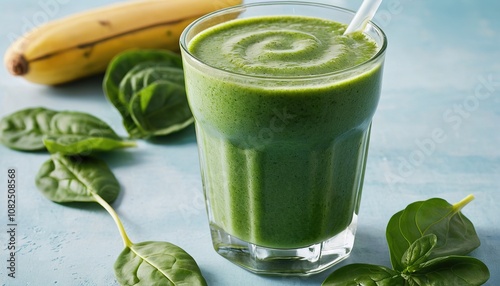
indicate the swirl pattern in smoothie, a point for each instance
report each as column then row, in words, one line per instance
column 283, row 48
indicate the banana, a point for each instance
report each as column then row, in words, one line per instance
column 83, row 44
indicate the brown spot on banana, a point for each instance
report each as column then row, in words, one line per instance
column 88, row 51
column 105, row 23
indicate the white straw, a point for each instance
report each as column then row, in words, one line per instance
column 364, row 14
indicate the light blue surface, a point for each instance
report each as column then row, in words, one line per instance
column 436, row 134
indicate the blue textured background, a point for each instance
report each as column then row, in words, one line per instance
column 432, row 137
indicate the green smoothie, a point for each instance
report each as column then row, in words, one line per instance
column 283, row 126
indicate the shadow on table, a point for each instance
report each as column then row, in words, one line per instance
column 87, row 88
column 184, row 136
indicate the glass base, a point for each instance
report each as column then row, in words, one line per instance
column 294, row 262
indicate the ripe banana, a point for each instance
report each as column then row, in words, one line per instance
column 83, row 44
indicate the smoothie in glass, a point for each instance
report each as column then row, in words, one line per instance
column 283, row 107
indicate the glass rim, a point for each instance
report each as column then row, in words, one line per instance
column 228, row 10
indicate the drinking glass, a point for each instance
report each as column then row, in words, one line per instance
column 282, row 157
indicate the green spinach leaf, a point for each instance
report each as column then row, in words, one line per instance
column 424, row 252
column 23, row 130
column 152, row 262
column 144, row 74
column 135, row 83
column 159, row 109
column 65, row 179
column 157, row 263
column 64, row 132
column 455, row 233
column 364, row 274
column 124, row 62
column 418, row 252
column 450, row 270
column 72, row 133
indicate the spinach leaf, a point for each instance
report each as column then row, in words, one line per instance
column 364, row 274
column 65, row 179
column 124, row 62
column 147, row 88
column 455, row 233
column 64, row 132
column 81, row 144
column 152, row 262
column 144, row 74
column 423, row 252
column 159, row 109
column 419, row 251
column 73, row 133
column 23, row 130
column 450, row 270
column 157, row 263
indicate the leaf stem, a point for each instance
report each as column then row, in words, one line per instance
column 129, row 143
column 114, row 215
column 458, row 206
